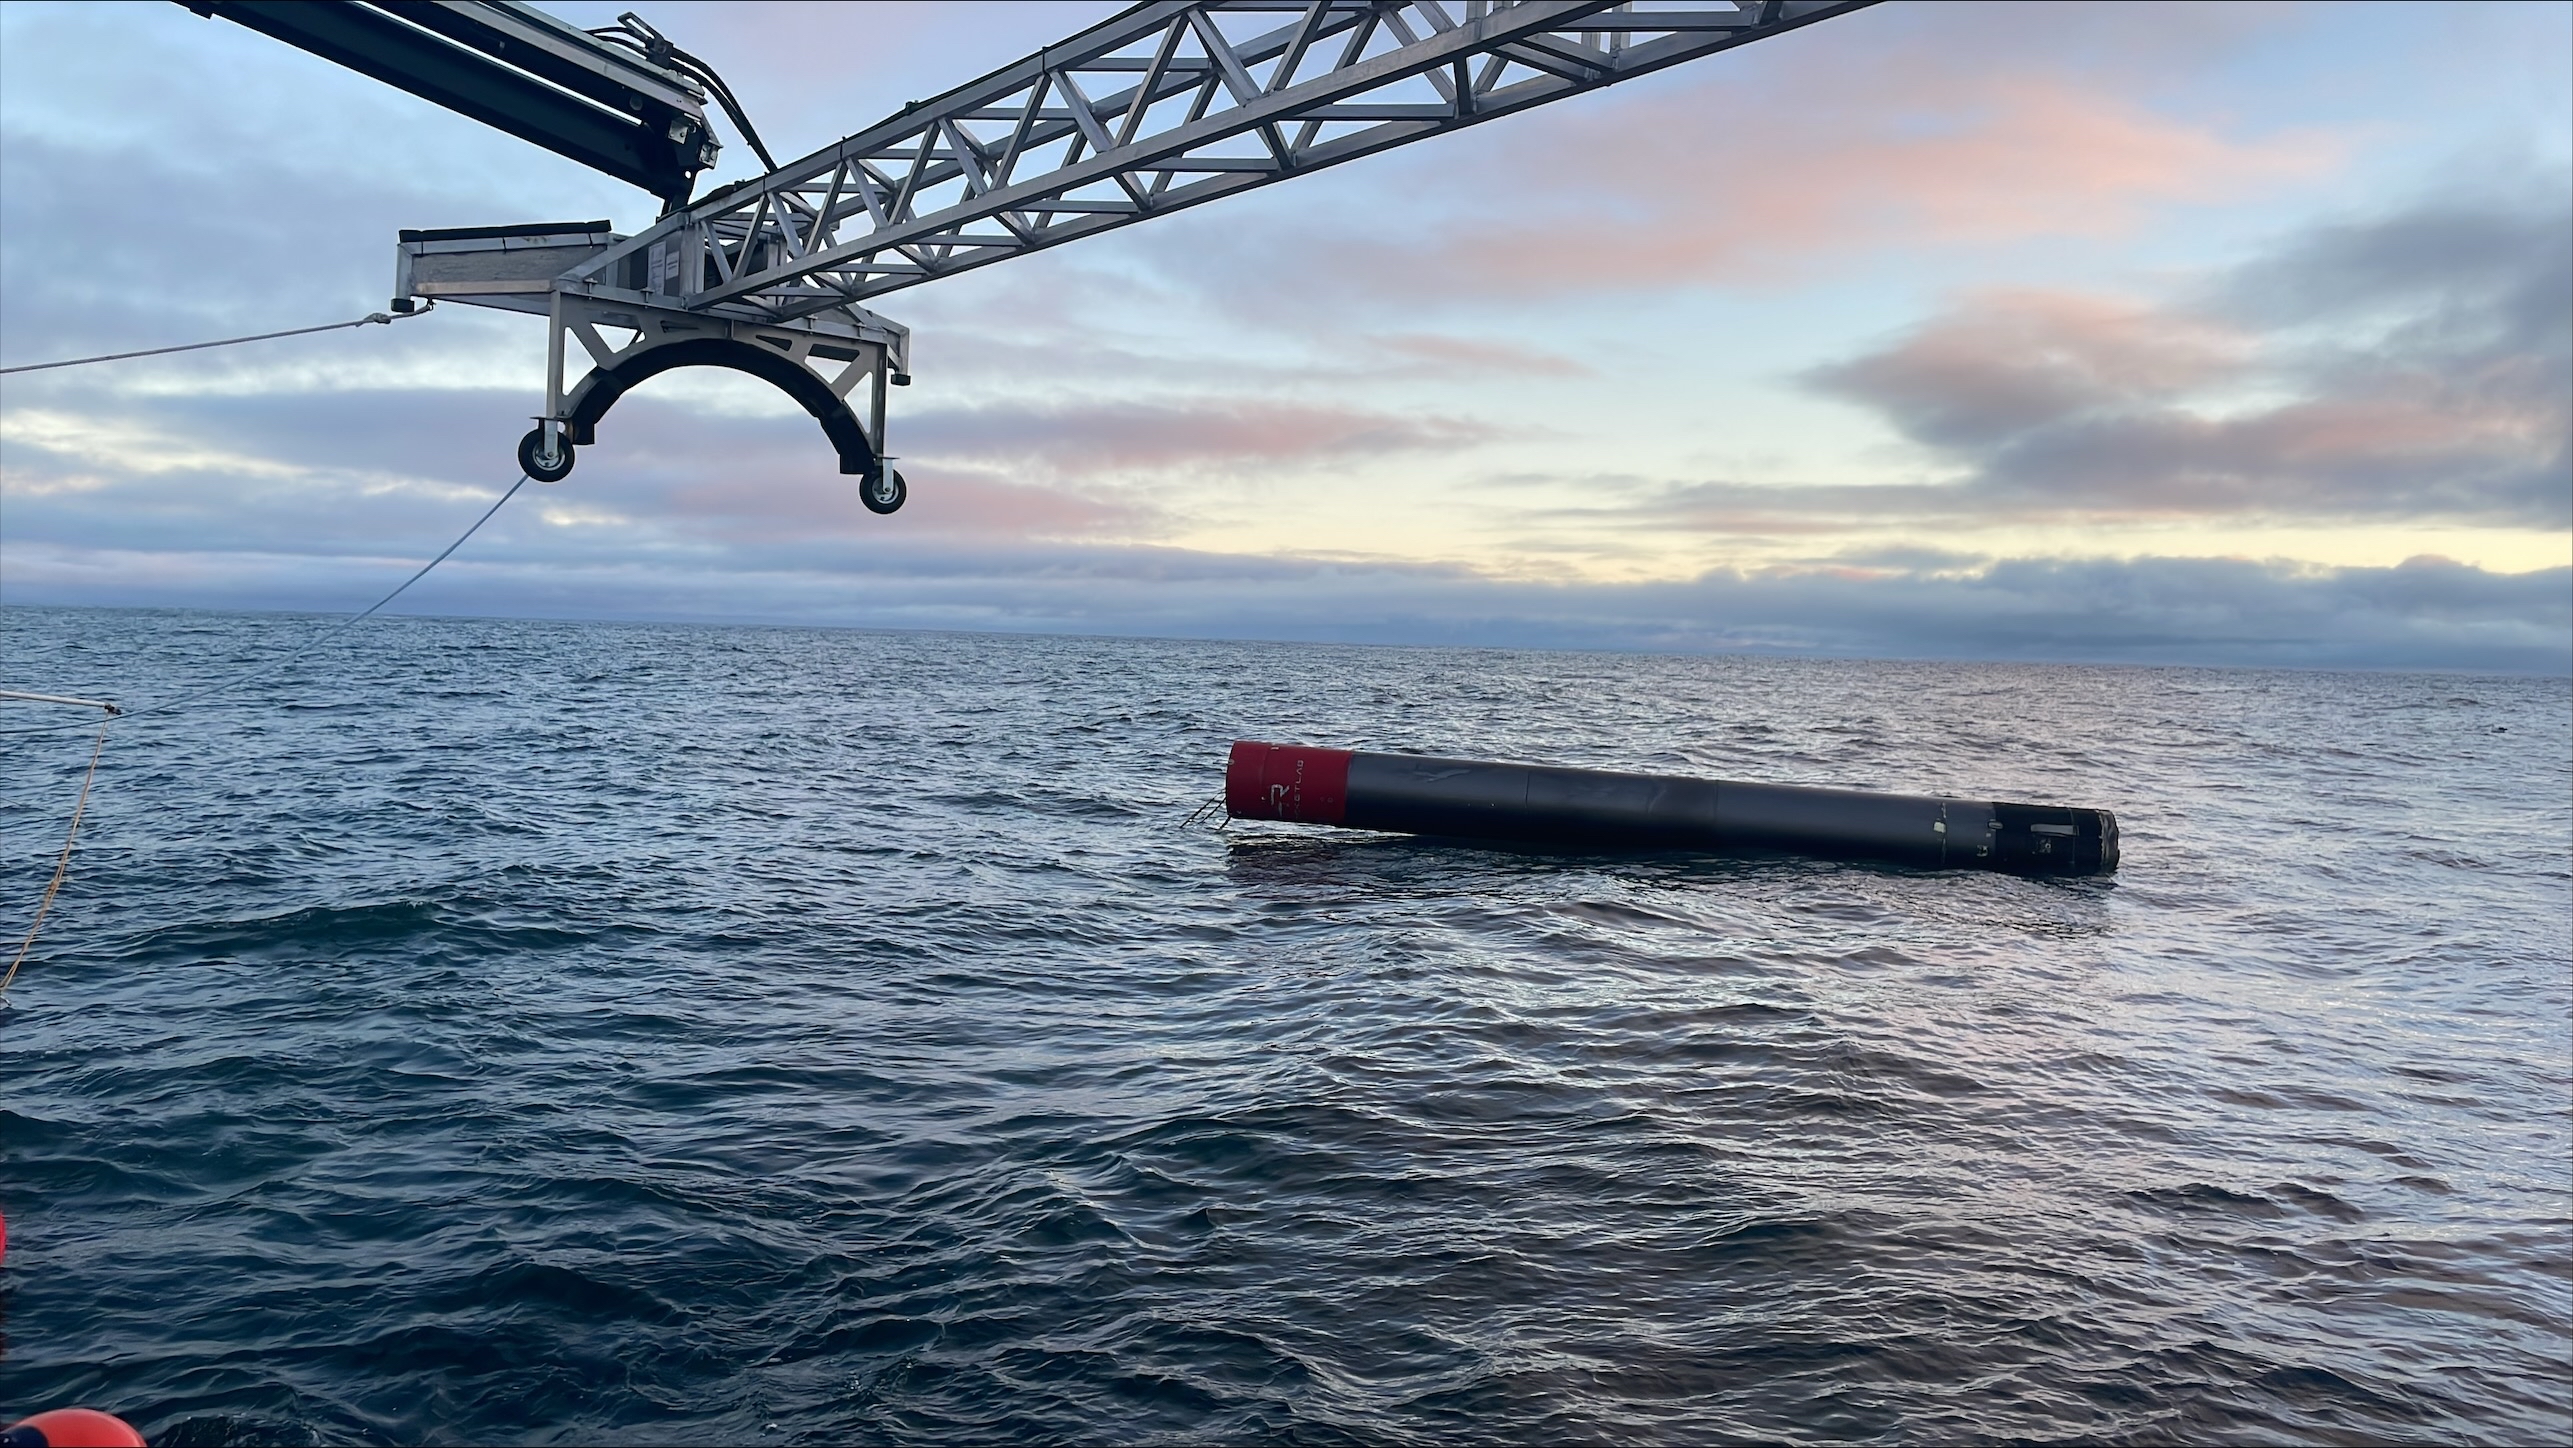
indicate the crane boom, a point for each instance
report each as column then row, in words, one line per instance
column 513, row 67
column 1168, row 105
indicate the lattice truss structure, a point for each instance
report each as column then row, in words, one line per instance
column 1166, row 106
column 1170, row 104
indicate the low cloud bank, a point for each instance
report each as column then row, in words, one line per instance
column 2424, row 614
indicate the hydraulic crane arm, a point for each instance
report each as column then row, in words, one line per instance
column 1168, row 105
column 513, row 67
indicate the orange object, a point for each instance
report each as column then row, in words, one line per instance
column 75, row 1428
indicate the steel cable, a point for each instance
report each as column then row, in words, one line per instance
column 62, row 862
column 317, row 640
column 369, row 319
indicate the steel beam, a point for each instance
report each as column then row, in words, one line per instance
column 1171, row 104
column 513, row 67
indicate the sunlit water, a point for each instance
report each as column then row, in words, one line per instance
column 529, row 1032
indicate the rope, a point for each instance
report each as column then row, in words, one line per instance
column 367, row 320
column 317, row 640
column 62, row 864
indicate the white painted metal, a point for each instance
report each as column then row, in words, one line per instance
column 1170, row 104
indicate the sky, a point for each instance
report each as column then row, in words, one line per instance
column 2236, row 334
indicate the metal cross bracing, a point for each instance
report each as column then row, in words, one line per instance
column 1166, row 106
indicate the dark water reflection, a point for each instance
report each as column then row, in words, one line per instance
column 544, row 1032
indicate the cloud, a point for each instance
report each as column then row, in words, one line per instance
column 1101, row 438
column 2010, row 361
column 2414, row 365
column 1932, row 156
column 334, row 468
column 2427, row 613
column 320, row 473
column 143, row 205
column 1891, row 130
column 1442, row 355
column 2472, row 272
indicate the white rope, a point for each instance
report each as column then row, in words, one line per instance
column 369, row 319
column 110, row 714
column 62, row 863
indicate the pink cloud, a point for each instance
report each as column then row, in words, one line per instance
column 2006, row 359
column 810, row 502
column 1437, row 354
column 1045, row 472
column 2417, row 366
column 1112, row 438
column 1960, row 125
column 1721, row 184
column 773, row 479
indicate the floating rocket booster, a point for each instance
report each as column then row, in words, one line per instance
column 1595, row 808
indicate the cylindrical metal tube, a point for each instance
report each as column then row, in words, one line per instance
column 1410, row 794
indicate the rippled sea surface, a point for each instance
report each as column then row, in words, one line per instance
column 526, row 1032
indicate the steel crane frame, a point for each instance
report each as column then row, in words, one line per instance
column 1167, row 105
column 516, row 68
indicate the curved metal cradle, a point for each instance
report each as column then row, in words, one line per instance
column 611, row 380
column 1166, row 105
column 631, row 338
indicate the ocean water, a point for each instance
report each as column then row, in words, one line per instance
column 499, row 1032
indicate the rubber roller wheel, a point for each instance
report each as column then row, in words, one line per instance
column 532, row 461
column 884, row 492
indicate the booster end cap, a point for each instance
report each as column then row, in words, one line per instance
column 1286, row 782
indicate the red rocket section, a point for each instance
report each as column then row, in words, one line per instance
column 1286, row 782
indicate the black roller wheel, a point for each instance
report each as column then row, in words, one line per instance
column 533, row 462
column 884, row 492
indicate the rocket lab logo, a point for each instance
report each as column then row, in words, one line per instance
column 1278, row 795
